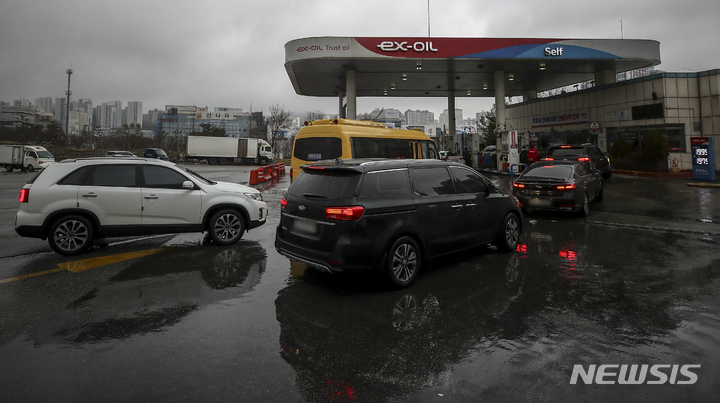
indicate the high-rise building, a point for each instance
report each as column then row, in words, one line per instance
column 106, row 116
column 133, row 113
column 25, row 103
column 419, row 118
column 78, row 121
column 445, row 119
column 44, row 104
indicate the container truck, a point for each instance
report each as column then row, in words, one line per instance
column 25, row 158
column 229, row 150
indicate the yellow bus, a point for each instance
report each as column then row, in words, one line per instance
column 345, row 139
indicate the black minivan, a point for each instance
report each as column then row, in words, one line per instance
column 390, row 216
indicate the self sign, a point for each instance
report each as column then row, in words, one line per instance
column 553, row 52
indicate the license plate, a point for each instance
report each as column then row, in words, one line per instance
column 539, row 202
column 308, row 227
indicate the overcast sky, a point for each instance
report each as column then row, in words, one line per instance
column 231, row 53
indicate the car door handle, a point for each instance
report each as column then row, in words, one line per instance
column 90, row 195
column 151, row 197
column 457, row 206
column 471, row 205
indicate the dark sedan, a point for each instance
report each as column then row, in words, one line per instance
column 559, row 186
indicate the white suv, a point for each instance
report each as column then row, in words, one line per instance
column 77, row 200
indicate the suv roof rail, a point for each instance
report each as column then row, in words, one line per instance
column 117, row 158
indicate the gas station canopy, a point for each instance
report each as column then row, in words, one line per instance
column 457, row 67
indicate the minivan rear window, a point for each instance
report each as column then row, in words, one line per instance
column 385, row 183
column 325, row 184
column 317, row 148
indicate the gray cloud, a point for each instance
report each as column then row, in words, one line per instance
column 216, row 53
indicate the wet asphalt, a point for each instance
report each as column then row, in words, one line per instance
column 634, row 283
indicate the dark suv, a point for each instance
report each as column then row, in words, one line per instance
column 392, row 215
column 155, row 153
column 581, row 152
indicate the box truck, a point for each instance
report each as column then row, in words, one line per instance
column 229, row 150
column 26, row 158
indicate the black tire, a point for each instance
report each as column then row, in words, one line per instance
column 264, row 161
column 30, row 168
column 607, row 174
column 70, row 235
column 509, row 237
column 403, row 261
column 226, row 227
column 585, row 208
column 9, row 168
column 599, row 196
column 222, row 161
column 212, row 161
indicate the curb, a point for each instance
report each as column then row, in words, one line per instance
column 704, row 184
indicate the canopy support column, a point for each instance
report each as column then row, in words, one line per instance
column 500, row 112
column 351, row 94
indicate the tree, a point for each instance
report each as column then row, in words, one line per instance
column 258, row 126
column 315, row 115
column 210, row 130
column 278, row 123
column 486, row 126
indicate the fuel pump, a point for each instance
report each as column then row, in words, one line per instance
column 513, row 152
column 510, row 155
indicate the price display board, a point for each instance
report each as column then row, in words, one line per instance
column 703, row 158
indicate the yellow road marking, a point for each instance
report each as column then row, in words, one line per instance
column 86, row 264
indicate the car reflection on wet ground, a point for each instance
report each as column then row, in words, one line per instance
column 509, row 328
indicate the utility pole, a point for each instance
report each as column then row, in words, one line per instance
column 67, row 103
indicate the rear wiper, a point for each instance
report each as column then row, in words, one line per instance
column 314, row 195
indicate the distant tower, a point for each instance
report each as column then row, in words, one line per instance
column 67, row 106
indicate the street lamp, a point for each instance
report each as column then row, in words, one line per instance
column 67, row 103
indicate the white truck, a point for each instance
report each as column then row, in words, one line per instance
column 229, row 150
column 25, row 158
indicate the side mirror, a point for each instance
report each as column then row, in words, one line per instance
column 189, row 185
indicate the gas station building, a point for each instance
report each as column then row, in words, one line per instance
column 677, row 105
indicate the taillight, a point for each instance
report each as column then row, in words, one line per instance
column 584, row 159
column 548, row 159
column 283, row 204
column 24, row 195
column 344, row 213
column 566, row 187
column 518, row 185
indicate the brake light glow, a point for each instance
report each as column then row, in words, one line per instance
column 283, row 204
column 548, row 159
column 584, row 159
column 24, row 195
column 316, row 167
column 352, row 213
column 565, row 187
column 565, row 146
column 518, row 185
